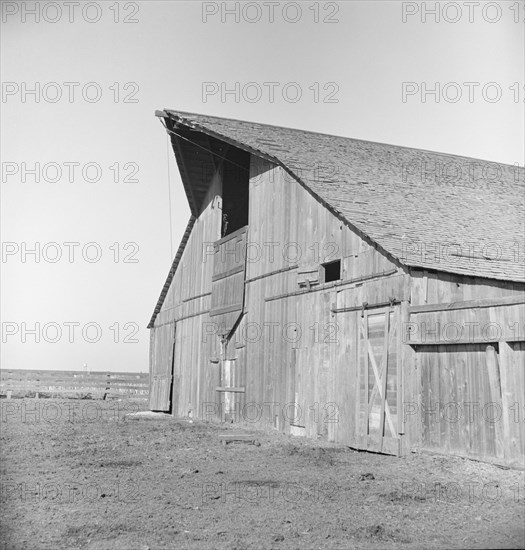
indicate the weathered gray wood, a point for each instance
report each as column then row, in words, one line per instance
column 327, row 286
column 241, row 438
column 469, row 304
column 232, row 389
column 317, row 357
column 228, row 280
column 461, row 341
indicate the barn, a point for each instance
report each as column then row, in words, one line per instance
column 364, row 293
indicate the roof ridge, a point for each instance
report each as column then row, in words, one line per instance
column 453, row 155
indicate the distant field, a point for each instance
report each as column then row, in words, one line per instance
column 55, row 383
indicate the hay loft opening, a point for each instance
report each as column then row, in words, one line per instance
column 235, row 191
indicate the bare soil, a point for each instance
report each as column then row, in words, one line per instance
column 82, row 474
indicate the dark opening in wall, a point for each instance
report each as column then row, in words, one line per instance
column 331, row 271
column 235, row 186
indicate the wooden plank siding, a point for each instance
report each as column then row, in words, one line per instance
column 296, row 356
column 188, row 303
column 471, row 366
column 304, row 350
column 161, row 368
column 229, row 269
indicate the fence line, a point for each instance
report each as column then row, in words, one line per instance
column 59, row 381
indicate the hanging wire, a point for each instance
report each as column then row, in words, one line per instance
column 204, row 148
column 169, row 178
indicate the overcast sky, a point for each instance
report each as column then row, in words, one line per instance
column 98, row 71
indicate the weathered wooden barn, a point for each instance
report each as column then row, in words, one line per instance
column 366, row 293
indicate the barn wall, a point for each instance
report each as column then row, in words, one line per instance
column 297, row 350
column 291, row 348
column 188, row 302
column 437, row 288
column 464, row 391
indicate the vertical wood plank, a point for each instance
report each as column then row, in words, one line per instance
column 501, row 429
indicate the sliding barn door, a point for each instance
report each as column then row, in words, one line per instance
column 161, row 372
column 378, row 373
column 472, row 399
column 297, row 407
column 227, row 289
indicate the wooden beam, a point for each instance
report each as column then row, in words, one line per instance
column 366, row 306
column 203, row 295
column 480, row 340
column 224, row 274
column 327, row 286
column 231, row 236
column 231, row 389
column 469, row 304
column 277, row 271
column 228, row 309
column 363, row 324
column 244, row 438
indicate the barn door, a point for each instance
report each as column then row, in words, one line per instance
column 471, row 399
column 227, row 288
column 162, row 367
column 296, row 408
column 378, row 381
column 232, row 384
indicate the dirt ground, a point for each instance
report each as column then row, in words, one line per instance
column 82, row 474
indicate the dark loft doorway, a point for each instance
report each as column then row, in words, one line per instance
column 235, row 186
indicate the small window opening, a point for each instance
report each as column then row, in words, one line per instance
column 331, row 271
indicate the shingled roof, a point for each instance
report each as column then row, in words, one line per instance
column 429, row 210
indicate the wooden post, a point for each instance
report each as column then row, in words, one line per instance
column 364, row 325
column 107, row 387
column 403, row 364
column 504, row 366
column 222, row 359
column 500, row 432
